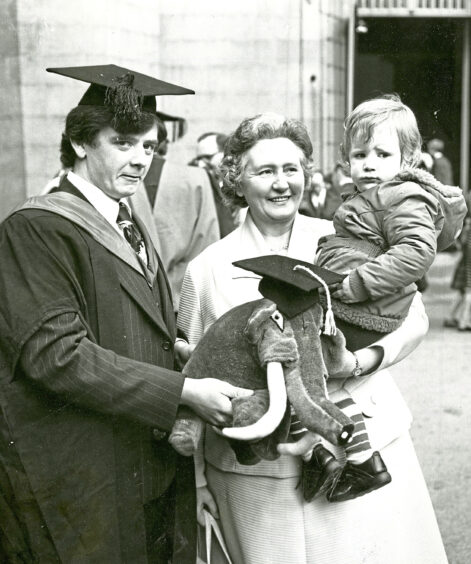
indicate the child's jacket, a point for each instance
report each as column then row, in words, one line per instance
column 387, row 238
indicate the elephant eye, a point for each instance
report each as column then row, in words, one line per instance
column 278, row 319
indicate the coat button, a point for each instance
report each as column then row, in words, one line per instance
column 166, row 345
column 159, row 435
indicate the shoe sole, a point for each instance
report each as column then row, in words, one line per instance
column 385, row 481
column 332, row 474
column 334, row 469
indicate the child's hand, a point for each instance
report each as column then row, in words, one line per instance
column 343, row 292
column 303, row 447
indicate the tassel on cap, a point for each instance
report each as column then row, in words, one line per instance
column 124, row 100
column 329, row 323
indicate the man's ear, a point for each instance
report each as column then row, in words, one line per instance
column 79, row 149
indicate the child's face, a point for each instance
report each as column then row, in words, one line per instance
column 378, row 160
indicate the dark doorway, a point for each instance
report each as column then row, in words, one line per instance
column 420, row 59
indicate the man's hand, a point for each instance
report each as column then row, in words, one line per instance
column 211, row 399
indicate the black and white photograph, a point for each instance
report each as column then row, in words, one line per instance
column 235, row 282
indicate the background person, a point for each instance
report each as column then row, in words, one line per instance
column 441, row 167
column 209, row 152
column 87, row 385
column 266, row 166
column 177, row 204
column 460, row 314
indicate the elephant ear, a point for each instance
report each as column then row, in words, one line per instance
column 255, row 324
column 333, row 347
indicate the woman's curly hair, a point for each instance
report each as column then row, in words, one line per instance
column 84, row 123
column 249, row 132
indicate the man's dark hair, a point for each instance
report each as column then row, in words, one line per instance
column 84, row 123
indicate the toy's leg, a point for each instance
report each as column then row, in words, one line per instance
column 268, row 448
column 186, row 432
column 246, row 411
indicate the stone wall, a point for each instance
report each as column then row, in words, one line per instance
column 241, row 57
column 250, row 56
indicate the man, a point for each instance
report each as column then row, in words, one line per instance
column 441, row 168
column 87, row 386
column 177, row 205
column 209, row 153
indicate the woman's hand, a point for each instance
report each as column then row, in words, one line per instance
column 182, row 351
column 369, row 360
column 205, row 500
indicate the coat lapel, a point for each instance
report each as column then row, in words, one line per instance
column 140, row 292
column 82, row 213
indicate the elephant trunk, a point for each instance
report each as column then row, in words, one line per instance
column 272, row 417
column 320, row 416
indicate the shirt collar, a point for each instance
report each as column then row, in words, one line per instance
column 105, row 205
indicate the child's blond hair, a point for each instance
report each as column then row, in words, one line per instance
column 371, row 113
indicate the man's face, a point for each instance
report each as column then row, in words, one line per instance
column 116, row 162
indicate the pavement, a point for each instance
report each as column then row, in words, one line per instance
column 436, row 383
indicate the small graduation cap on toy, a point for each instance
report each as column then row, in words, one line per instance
column 127, row 93
column 293, row 284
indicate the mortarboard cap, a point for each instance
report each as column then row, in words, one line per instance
column 178, row 125
column 293, row 290
column 126, row 92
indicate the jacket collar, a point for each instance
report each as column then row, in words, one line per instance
column 251, row 243
column 78, row 210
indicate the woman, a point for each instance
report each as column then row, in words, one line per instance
column 266, row 166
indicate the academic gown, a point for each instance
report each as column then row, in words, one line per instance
column 80, row 459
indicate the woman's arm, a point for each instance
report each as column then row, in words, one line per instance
column 393, row 347
column 400, row 343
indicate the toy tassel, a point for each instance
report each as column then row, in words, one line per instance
column 329, row 322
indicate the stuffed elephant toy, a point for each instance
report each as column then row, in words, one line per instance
column 285, row 362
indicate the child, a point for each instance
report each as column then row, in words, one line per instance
column 387, row 234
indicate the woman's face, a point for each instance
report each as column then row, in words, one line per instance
column 272, row 181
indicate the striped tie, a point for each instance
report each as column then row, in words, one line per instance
column 130, row 231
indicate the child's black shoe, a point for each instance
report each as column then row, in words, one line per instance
column 360, row 479
column 320, row 473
